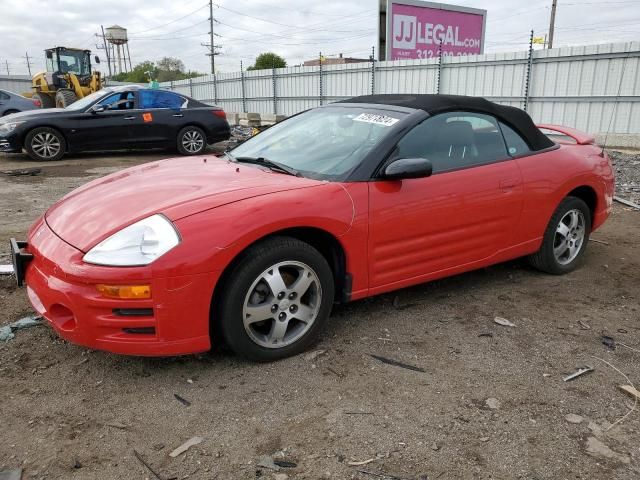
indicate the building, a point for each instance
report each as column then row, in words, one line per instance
column 339, row 60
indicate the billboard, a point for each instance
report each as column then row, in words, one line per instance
column 410, row 29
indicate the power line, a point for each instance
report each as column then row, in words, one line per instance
column 172, row 21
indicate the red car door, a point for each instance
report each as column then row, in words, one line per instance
column 460, row 216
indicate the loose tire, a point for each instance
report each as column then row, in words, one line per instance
column 565, row 238
column 45, row 144
column 65, row 97
column 275, row 300
column 46, row 101
column 191, row 141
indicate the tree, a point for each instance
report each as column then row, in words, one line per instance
column 139, row 73
column 165, row 70
column 268, row 60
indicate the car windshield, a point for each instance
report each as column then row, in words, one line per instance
column 325, row 143
column 88, row 100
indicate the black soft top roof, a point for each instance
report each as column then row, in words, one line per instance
column 517, row 119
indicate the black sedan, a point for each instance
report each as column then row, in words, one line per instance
column 116, row 118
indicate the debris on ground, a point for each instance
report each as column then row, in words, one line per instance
column 581, row 371
column 630, row 390
column 573, row 418
column 626, row 202
column 14, row 474
column 6, row 332
column 627, row 169
column 311, row 356
column 504, row 322
column 609, row 342
column 116, row 424
column 492, row 403
column 601, row 242
column 266, row 461
column 285, row 464
column 396, row 363
column 363, row 462
column 584, row 325
column 23, row 172
column 596, row 448
column 186, row 446
column 148, row 467
column 6, row 269
column 182, row 400
column 280, row 476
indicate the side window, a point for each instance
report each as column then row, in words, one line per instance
column 160, row 99
column 515, row 144
column 119, row 101
column 455, row 140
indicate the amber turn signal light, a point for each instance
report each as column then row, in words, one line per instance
column 125, row 292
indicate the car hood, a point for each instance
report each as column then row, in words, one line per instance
column 175, row 188
column 29, row 114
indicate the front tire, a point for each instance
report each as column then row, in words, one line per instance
column 191, row 140
column 65, row 97
column 565, row 238
column 45, row 144
column 275, row 300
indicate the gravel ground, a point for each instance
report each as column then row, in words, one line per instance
column 627, row 166
column 489, row 402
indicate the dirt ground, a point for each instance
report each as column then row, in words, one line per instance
column 490, row 402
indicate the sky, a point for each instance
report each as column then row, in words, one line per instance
column 293, row 29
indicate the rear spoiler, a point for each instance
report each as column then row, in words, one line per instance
column 580, row 137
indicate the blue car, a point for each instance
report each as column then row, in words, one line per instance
column 12, row 103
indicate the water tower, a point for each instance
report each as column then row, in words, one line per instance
column 117, row 38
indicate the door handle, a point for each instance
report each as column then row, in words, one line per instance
column 178, row 115
column 130, row 118
column 507, row 185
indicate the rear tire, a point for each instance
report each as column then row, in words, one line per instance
column 275, row 300
column 46, row 101
column 565, row 238
column 65, row 97
column 191, row 141
column 45, row 144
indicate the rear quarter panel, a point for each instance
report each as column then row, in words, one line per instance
column 550, row 176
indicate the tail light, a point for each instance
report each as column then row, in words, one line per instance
column 220, row 113
column 37, row 102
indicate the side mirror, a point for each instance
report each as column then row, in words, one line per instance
column 97, row 108
column 408, row 168
column 97, row 59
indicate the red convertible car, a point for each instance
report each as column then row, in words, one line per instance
column 335, row 204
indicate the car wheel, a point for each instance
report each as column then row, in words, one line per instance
column 45, row 100
column 9, row 112
column 191, row 141
column 275, row 300
column 65, row 97
column 565, row 239
column 45, row 144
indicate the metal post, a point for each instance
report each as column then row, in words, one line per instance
column 106, row 50
column 191, row 87
column 171, row 85
column 275, row 92
column 439, row 68
column 527, row 84
column 244, row 99
column 552, row 22
column 215, row 89
column 6, row 62
column 373, row 70
column 128, row 55
column 320, row 71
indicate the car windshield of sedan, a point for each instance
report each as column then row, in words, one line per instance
column 88, row 100
column 325, row 143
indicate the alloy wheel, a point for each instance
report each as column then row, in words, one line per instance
column 46, row 145
column 192, row 141
column 282, row 304
column 569, row 237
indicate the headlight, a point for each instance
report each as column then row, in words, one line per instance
column 9, row 126
column 137, row 244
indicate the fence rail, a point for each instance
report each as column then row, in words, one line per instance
column 586, row 87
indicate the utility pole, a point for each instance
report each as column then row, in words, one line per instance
column 211, row 44
column 552, row 24
column 106, row 49
column 26, row 56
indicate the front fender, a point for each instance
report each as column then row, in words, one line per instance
column 213, row 238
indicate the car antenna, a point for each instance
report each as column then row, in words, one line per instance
column 615, row 107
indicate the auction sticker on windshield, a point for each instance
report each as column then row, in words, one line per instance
column 377, row 119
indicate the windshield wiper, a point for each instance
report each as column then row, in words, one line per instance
column 265, row 162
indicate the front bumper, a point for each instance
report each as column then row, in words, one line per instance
column 62, row 288
column 10, row 144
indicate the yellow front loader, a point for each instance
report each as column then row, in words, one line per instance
column 67, row 78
